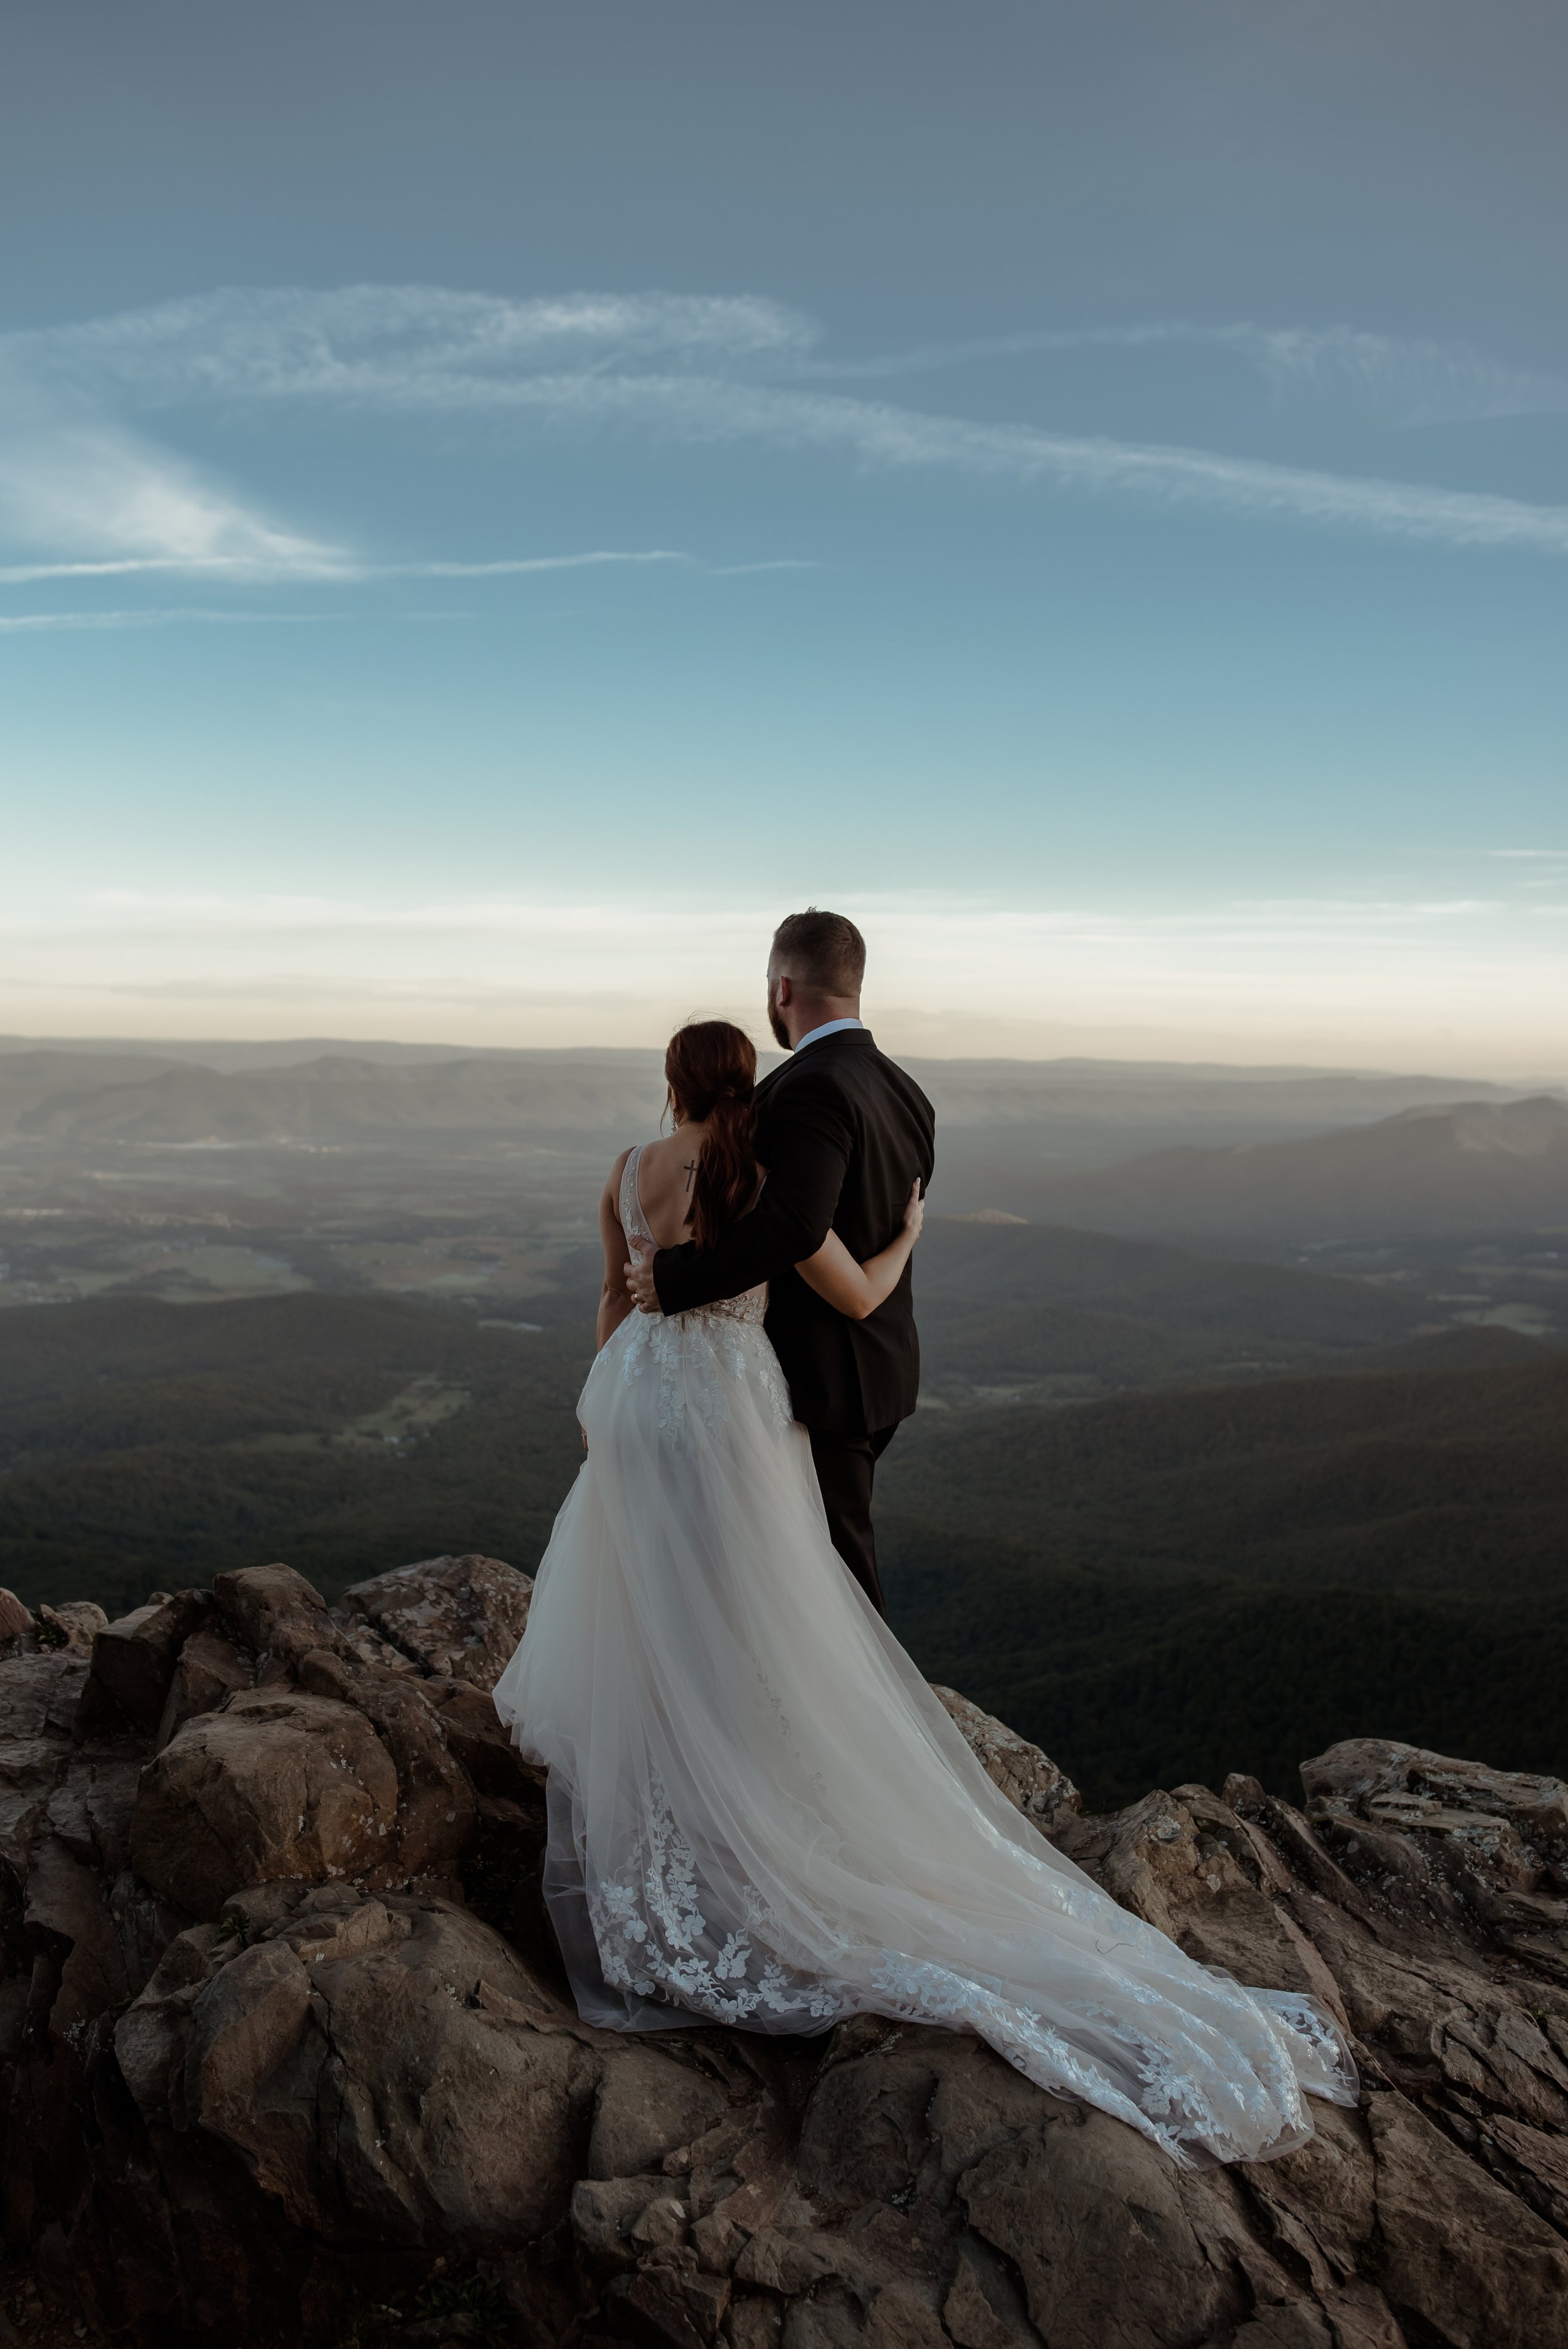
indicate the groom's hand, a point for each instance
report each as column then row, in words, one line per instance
column 640, row 1283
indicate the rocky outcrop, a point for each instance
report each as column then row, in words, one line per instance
column 1032, row 1783
column 290, row 2058
column 459, row 1618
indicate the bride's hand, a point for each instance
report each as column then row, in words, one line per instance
column 639, row 1277
column 914, row 1213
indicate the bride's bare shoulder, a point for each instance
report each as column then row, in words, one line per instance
column 661, row 1151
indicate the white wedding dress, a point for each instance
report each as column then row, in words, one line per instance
column 759, row 1814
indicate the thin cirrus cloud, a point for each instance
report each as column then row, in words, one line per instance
column 1396, row 380
column 94, row 500
column 432, row 346
column 395, row 346
column 34, row 624
column 909, row 439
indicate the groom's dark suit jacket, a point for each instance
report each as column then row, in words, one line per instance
column 843, row 1133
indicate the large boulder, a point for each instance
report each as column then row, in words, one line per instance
column 457, row 1617
column 1486, row 1849
column 75, row 1625
column 134, row 1659
column 386, row 2067
column 18, row 1633
column 1410, row 1787
column 207, row 1671
column 280, row 1784
column 274, row 1615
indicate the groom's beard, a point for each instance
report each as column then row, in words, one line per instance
column 775, row 1021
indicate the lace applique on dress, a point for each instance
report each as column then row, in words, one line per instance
column 656, row 1942
column 653, row 1939
column 703, row 1354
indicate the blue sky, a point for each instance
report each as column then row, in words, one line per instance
column 496, row 503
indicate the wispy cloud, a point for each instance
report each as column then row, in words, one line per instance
column 92, row 500
column 95, row 500
column 89, row 498
column 16, row 574
column 1410, row 382
column 1400, row 380
column 431, row 346
column 30, row 574
column 519, row 566
column 397, row 345
column 750, row 569
column 107, row 505
column 882, row 434
column 20, row 624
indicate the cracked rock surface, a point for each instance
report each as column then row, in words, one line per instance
column 289, row 2058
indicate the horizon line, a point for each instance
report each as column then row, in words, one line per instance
column 14, row 1043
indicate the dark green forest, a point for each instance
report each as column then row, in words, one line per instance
column 1077, row 1313
column 1436, row 1480
column 144, row 1445
column 1176, row 1585
column 1226, row 1567
column 1132, row 1682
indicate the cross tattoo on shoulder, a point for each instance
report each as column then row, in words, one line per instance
column 690, row 1171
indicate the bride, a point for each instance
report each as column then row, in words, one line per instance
column 758, row 1813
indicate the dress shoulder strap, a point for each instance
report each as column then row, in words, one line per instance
column 633, row 1223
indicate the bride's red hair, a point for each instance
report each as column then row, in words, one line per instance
column 711, row 1069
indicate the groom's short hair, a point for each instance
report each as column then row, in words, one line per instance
column 823, row 953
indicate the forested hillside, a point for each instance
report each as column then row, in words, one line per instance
column 144, row 1444
column 1221, row 1565
column 1148, row 1585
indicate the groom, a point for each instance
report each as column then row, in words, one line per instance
column 842, row 1133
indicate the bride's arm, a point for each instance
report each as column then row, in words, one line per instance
column 858, row 1290
column 615, row 1298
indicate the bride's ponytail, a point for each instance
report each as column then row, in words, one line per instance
column 711, row 1071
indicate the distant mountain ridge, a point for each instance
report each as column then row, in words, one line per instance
column 1020, row 1115
column 1438, row 1169
column 231, row 1057
column 334, row 1098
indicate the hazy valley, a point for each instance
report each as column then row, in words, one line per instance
column 1244, row 1415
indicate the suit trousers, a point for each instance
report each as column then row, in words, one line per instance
column 846, row 1465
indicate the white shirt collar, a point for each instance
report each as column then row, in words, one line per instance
column 828, row 1028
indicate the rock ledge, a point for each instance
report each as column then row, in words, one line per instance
column 289, row 2056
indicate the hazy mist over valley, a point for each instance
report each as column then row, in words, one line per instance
column 1229, row 1362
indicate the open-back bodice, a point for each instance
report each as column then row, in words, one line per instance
column 750, row 1306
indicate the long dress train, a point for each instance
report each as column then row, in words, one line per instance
column 760, row 1814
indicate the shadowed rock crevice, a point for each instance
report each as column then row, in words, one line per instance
column 289, row 2057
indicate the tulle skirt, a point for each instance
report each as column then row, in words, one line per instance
column 760, row 1814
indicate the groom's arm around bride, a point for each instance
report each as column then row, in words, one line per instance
column 842, row 1133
